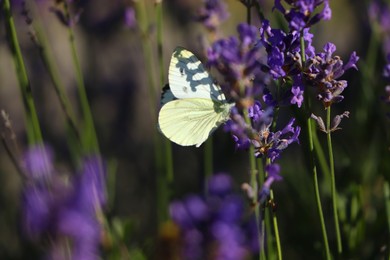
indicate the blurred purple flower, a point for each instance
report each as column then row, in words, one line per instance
column 213, row 13
column 89, row 186
column 386, row 98
column 386, row 75
column 379, row 13
column 220, row 184
column 273, row 171
column 38, row 162
column 83, row 230
column 301, row 13
column 130, row 19
column 36, row 207
column 63, row 211
column 212, row 226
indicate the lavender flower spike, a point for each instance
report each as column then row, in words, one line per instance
column 38, row 162
column 213, row 14
column 212, row 225
column 301, row 13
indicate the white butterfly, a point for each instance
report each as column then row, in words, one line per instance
column 200, row 105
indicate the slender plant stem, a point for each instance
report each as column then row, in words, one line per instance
column 276, row 229
column 169, row 174
column 88, row 136
column 254, row 184
column 252, row 162
column 313, row 166
column 261, row 227
column 386, row 195
column 208, row 158
column 32, row 123
column 333, row 182
column 164, row 168
column 167, row 144
column 249, row 11
column 320, row 155
column 52, row 69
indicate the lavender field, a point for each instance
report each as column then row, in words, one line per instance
column 195, row 129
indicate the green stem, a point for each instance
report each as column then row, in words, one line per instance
column 254, row 184
column 169, row 175
column 88, row 136
column 333, row 181
column 320, row 155
column 164, row 169
column 276, row 229
column 317, row 190
column 52, row 69
column 248, row 11
column 208, row 158
column 32, row 123
column 313, row 166
column 262, row 224
column 167, row 144
column 386, row 195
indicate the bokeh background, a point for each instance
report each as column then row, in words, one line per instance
column 115, row 70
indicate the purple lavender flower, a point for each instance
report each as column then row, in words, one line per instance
column 283, row 49
column 284, row 62
column 38, row 162
column 379, row 13
column 271, row 144
column 63, row 211
column 77, row 219
column 323, row 72
column 239, row 60
column 130, row 19
column 273, row 171
column 211, row 227
column 220, row 185
column 37, row 204
column 89, row 186
column 213, row 13
column 301, row 13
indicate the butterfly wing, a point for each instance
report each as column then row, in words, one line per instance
column 166, row 95
column 191, row 121
column 188, row 78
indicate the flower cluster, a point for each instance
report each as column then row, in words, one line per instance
column 247, row 78
column 267, row 144
column 379, row 14
column 65, row 211
column 301, row 13
column 213, row 13
column 323, row 71
column 239, row 61
column 213, row 227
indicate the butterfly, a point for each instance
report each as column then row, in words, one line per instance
column 194, row 106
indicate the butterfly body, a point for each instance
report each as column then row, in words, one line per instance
column 194, row 106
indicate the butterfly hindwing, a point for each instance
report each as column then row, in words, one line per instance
column 190, row 121
column 166, row 95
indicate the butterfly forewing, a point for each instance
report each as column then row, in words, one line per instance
column 188, row 78
column 191, row 121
